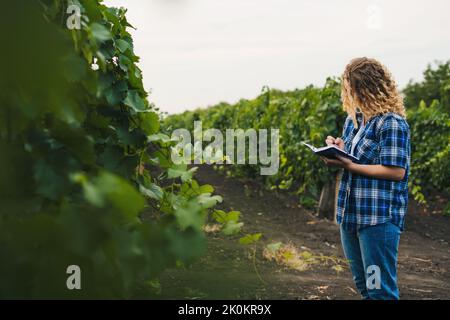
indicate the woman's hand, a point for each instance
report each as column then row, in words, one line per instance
column 341, row 162
column 338, row 142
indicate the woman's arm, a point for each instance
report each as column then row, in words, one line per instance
column 371, row 170
column 376, row 170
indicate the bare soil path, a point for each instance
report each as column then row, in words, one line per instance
column 227, row 270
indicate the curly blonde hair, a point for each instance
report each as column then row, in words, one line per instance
column 368, row 85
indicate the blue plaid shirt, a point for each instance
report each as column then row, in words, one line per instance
column 366, row 201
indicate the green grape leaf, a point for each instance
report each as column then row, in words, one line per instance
column 149, row 122
column 232, row 228
column 116, row 93
column 222, row 217
column 152, row 191
column 159, row 137
column 124, row 62
column 189, row 216
column 134, row 101
column 100, row 32
column 206, row 188
column 250, row 238
column 180, row 171
column 122, row 45
column 207, row 201
column 109, row 188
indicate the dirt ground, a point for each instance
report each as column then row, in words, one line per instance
column 228, row 272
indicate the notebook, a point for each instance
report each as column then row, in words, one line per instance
column 331, row 152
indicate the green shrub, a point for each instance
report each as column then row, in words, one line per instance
column 82, row 159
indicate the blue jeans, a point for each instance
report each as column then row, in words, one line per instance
column 372, row 253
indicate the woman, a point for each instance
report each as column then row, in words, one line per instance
column 373, row 193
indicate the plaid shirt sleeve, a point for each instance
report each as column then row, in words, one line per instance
column 394, row 141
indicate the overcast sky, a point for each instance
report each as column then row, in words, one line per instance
column 196, row 53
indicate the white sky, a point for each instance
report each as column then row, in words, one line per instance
column 196, row 53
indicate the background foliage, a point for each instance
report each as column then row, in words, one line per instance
column 312, row 113
column 86, row 178
column 428, row 105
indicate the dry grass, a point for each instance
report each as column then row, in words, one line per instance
column 289, row 256
column 212, row 228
